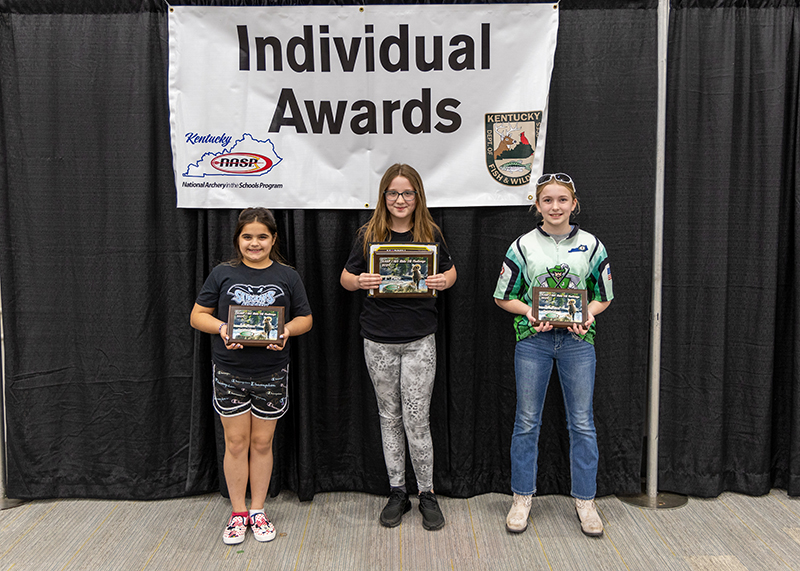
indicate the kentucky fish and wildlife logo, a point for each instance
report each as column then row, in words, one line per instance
column 511, row 145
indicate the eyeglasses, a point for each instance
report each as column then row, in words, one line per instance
column 392, row 195
column 559, row 176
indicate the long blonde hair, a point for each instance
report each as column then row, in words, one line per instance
column 378, row 228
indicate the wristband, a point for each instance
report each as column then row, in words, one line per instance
column 220, row 327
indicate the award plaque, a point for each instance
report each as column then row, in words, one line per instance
column 560, row 307
column 255, row 325
column 404, row 268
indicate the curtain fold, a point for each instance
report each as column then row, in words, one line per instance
column 97, row 265
column 729, row 357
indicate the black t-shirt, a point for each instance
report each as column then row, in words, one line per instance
column 277, row 285
column 396, row 320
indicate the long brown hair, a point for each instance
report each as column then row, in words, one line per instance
column 265, row 217
column 378, row 228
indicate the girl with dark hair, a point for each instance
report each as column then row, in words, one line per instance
column 399, row 341
column 555, row 254
column 251, row 383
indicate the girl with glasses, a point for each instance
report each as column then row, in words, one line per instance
column 399, row 341
column 555, row 254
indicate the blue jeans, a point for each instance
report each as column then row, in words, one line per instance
column 533, row 362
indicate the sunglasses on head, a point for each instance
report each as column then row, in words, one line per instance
column 559, row 176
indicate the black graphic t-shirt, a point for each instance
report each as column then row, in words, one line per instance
column 277, row 285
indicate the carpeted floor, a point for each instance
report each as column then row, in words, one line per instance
column 341, row 531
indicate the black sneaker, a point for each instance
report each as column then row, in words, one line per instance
column 397, row 505
column 432, row 518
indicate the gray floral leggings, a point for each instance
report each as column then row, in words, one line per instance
column 403, row 375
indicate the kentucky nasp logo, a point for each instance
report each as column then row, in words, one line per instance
column 246, row 156
column 511, row 145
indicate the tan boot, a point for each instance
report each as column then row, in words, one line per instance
column 591, row 524
column 517, row 519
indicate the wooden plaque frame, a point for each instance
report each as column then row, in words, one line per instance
column 558, row 306
column 255, row 325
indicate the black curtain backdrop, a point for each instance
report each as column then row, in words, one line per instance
column 108, row 388
column 730, row 368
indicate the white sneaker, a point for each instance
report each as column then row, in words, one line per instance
column 263, row 530
column 517, row 519
column 591, row 524
column 235, row 530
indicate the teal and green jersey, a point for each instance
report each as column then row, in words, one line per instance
column 535, row 259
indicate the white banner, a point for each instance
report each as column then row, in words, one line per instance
column 306, row 106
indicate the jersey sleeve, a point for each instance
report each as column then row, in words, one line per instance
column 598, row 282
column 512, row 283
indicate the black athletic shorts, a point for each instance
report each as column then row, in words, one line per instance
column 265, row 397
